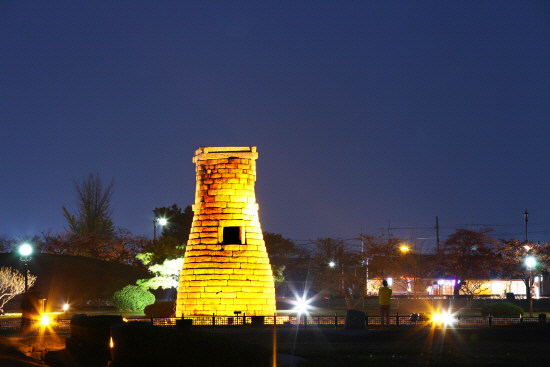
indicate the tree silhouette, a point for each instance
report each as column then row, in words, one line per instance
column 93, row 214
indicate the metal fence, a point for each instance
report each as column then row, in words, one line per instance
column 62, row 325
column 339, row 321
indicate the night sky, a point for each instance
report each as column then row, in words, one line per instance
column 366, row 114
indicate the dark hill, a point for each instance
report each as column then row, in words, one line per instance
column 65, row 278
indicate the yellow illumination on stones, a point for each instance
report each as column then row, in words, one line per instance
column 220, row 276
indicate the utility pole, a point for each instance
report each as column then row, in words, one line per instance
column 437, row 231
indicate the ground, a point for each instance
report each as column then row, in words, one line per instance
column 498, row 346
column 515, row 345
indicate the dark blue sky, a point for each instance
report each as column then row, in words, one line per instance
column 363, row 112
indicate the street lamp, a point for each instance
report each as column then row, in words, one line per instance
column 161, row 222
column 331, row 264
column 404, row 249
column 530, row 263
column 25, row 251
column 526, row 216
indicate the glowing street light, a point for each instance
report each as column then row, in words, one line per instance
column 404, row 249
column 25, row 250
column 530, row 262
column 331, row 264
column 161, row 222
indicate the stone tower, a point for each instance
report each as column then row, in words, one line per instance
column 226, row 267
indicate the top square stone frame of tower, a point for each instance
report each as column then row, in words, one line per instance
column 204, row 153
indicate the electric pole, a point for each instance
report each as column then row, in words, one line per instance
column 437, row 231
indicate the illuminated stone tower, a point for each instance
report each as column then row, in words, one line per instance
column 226, row 267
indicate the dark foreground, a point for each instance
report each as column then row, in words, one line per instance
column 515, row 345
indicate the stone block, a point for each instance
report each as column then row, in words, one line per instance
column 194, row 290
column 203, row 259
column 214, row 210
column 203, row 277
column 216, row 247
column 214, row 204
column 221, row 259
column 229, row 265
column 238, row 199
column 250, row 295
column 209, row 229
column 238, row 259
column 243, row 271
column 238, row 277
column 235, row 290
column 231, row 210
column 210, row 292
column 238, row 283
column 208, row 234
column 223, row 271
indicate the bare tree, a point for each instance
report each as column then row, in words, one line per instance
column 12, row 283
column 473, row 288
column 93, row 214
column 338, row 270
column 6, row 244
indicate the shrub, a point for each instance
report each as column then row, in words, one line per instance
column 132, row 297
column 501, row 309
column 161, row 309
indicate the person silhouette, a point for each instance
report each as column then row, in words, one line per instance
column 384, row 296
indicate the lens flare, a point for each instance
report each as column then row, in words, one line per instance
column 45, row 320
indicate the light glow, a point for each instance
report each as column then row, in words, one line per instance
column 531, row 262
column 444, row 318
column 163, row 221
column 25, row 249
column 111, row 343
column 331, row 264
column 302, row 305
column 65, row 307
column 404, row 249
column 45, row 320
column 390, row 281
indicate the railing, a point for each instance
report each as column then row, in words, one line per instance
column 300, row 321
